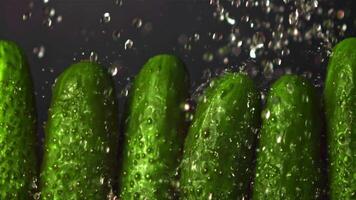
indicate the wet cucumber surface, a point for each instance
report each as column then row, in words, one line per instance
column 81, row 135
column 18, row 160
column 340, row 107
column 289, row 156
column 154, row 130
column 218, row 151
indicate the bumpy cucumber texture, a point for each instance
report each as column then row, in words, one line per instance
column 18, row 160
column 218, row 152
column 81, row 135
column 289, row 155
column 340, row 107
column 154, row 130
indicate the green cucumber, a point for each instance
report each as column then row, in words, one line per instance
column 154, row 127
column 218, row 152
column 289, row 152
column 18, row 159
column 81, row 135
column 340, row 107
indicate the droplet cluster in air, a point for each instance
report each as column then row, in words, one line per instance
column 267, row 32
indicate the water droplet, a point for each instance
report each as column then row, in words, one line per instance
column 217, row 36
column 278, row 61
column 206, row 134
column 186, row 107
column 230, row 20
column 118, row 2
column 128, row 44
column 279, row 139
column 136, row 195
column 188, row 117
column 113, row 70
column 147, row 27
column 93, row 56
column 210, row 197
column 232, row 37
column 293, row 17
column 48, row 22
column 267, row 114
column 37, row 195
column 106, row 17
column 39, row 51
column 59, row 19
column 138, row 176
column 340, row 14
column 208, row 57
column 344, row 27
column 116, row 35
column 137, row 22
column 52, row 12
column 253, row 53
column 26, row 16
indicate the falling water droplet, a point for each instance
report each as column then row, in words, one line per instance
column 279, row 139
column 93, row 56
column 113, row 70
column 293, row 17
column 48, row 22
column 340, row 14
column 106, row 17
column 59, row 19
column 253, row 53
column 137, row 22
column 196, row 37
column 52, row 12
column 26, row 16
column 186, row 107
column 39, row 51
column 128, row 44
column 147, row 28
column 267, row 114
column 116, row 35
column 208, row 57
column 118, row 2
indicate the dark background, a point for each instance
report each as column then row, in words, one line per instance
column 165, row 24
column 82, row 32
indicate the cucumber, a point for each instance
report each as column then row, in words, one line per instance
column 340, row 107
column 154, row 128
column 289, row 152
column 18, row 158
column 81, row 135
column 218, row 152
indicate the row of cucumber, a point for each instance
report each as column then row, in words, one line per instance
column 158, row 160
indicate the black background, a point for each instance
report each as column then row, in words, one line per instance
column 81, row 31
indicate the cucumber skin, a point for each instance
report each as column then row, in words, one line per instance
column 340, row 107
column 18, row 158
column 218, row 152
column 154, row 130
column 289, row 147
column 81, row 135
